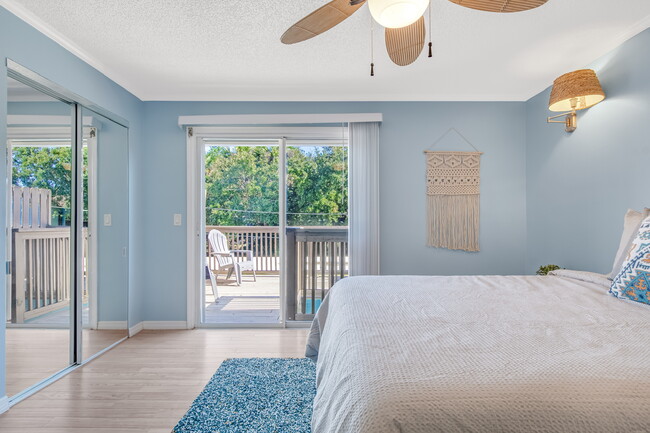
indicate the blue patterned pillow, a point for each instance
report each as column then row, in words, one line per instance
column 633, row 280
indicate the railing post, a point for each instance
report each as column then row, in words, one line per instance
column 18, row 262
column 291, row 274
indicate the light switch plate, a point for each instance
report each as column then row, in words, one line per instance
column 108, row 219
column 177, row 219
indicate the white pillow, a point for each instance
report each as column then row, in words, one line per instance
column 632, row 222
column 590, row 277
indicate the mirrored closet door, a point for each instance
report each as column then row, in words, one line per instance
column 106, row 223
column 67, row 234
column 39, row 150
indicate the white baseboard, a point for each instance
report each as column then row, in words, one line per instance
column 121, row 324
column 299, row 324
column 4, row 404
column 160, row 325
column 165, row 324
column 136, row 328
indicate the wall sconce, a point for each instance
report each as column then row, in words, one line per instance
column 576, row 90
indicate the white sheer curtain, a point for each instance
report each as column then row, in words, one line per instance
column 364, row 198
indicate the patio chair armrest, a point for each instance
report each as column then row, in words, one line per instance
column 247, row 253
column 221, row 254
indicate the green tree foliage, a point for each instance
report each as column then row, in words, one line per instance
column 239, row 180
column 49, row 168
column 242, row 186
column 317, row 186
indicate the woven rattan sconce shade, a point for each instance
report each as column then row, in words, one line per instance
column 576, row 90
column 500, row 5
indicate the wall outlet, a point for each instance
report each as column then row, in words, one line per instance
column 178, row 219
column 108, row 219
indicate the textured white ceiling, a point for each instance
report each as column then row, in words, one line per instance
column 231, row 50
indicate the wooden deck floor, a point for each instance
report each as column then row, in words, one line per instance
column 60, row 317
column 145, row 384
column 252, row 302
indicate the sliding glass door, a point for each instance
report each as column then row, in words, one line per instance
column 242, row 232
column 274, row 223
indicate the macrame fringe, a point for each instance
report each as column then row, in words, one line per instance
column 454, row 221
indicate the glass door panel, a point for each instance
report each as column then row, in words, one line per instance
column 242, row 270
column 317, row 224
column 39, row 133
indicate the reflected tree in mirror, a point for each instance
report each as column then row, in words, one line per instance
column 50, row 168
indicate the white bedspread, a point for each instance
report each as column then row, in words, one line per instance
column 480, row 354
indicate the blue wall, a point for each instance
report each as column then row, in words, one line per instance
column 497, row 129
column 23, row 44
column 579, row 185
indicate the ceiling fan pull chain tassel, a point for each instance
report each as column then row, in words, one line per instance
column 430, row 44
column 372, row 47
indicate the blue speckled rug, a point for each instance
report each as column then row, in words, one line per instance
column 254, row 395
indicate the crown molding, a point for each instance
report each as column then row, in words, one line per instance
column 624, row 36
column 37, row 23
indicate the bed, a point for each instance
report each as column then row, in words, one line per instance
column 480, row 354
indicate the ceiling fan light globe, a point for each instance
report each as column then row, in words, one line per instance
column 397, row 13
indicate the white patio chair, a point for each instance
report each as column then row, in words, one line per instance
column 227, row 259
column 209, row 275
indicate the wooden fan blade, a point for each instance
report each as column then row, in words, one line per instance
column 500, row 5
column 405, row 44
column 320, row 21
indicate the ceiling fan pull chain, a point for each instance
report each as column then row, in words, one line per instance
column 372, row 47
column 430, row 44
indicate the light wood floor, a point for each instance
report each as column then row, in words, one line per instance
column 34, row 354
column 145, row 384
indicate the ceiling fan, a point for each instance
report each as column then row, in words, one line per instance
column 403, row 21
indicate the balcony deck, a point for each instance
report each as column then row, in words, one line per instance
column 252, row 302
column 58, row 318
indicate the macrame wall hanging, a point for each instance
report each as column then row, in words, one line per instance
column 453, row 197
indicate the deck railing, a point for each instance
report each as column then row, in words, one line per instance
column 31, row 207
column 263, row 241
column 317, row 257
column 40, row 271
